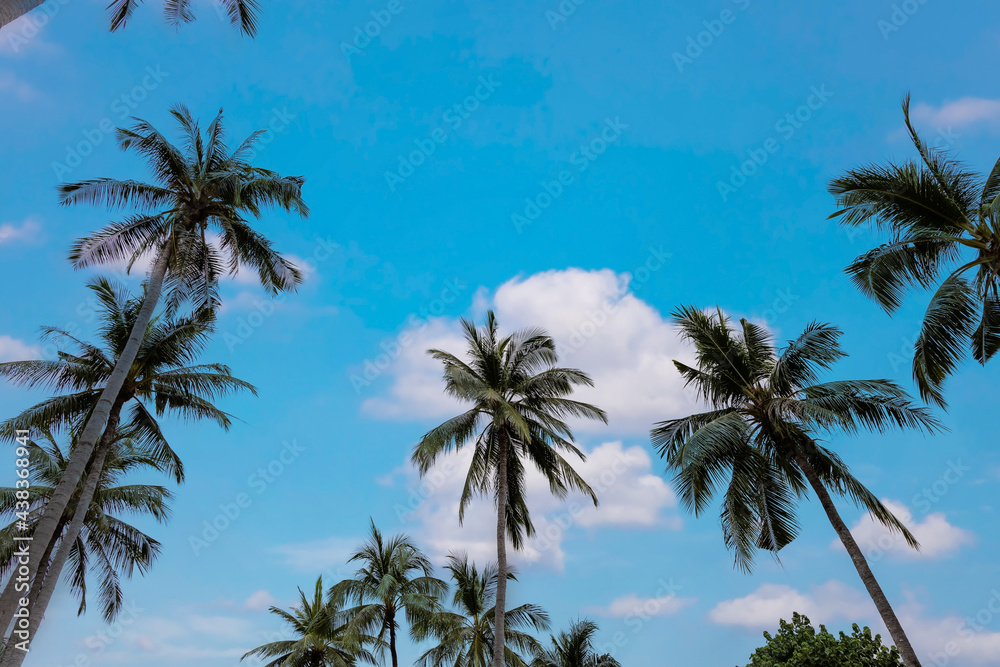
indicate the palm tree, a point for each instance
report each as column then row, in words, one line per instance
column 321, row 637
column 759, row 435
column 107, row 547
column 519, row 400
column 163, row 375
column 394, row 580
column 574, row 649
column 466, row 636
column 943, row 224
column 198, row 188
column 242, row 13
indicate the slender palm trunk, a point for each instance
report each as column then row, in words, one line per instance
column 94, row 428
column 498, row 622
column 885, row 610
column 11, row 10
column 392, row 641
column 41, row 574
column 45, row 585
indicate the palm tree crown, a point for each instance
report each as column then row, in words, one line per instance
column 200, row 188
column 574, row 648
column 321, row 636
column 943, row 224
column 394, row 579
column 465, row 637
column 242, row 13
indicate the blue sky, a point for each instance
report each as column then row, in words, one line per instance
column 624, row 126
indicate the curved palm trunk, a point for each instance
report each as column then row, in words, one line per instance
column 11, row 10
column 43, row 568
column 95, row 426
column 45, row 584
column 501, row 605
column 874, row 590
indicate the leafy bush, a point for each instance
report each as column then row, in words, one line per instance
column 797, row 644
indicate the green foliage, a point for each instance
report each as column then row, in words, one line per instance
column 798, row 644
column 574, row 648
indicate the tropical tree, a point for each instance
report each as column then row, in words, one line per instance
column 107, row 547
column 200, row 187
column 574, row 648
column 395, row 579
column 797, row 644
column 163, row 378
column 319, row 636
column 943, row 226
column 466, row 636
column 759, row 435
column 242, row 13
column 519, row 402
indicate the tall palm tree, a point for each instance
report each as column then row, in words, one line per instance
column 519, row 400
column 321, row 637
column 242, row 13
column 163, row 377
column 574, row 648
column 943, row 226
column 199, row 187
column 466, row 636
column 394, row 580
column 107, row 547
column 759, row 434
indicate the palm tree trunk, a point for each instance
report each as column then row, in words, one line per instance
column 43, row 568
column 95, row 426
column 501, row 605
column 11, row 10
column 885, row 610
column 392, row 641
column 45, row 587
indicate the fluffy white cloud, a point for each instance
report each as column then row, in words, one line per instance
column 632, row 606
column 955, row 641
column 13, row 349
column 960, row 113
column 936, row 536
column 259, row 601
column 28, row 231
column 599, row 326
column 763, row 608
column 630, row 495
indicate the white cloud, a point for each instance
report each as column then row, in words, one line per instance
column 956, row 641
column 763, row 608
column 317, row 555
column 936, row 536
column 28, row 231
column 599, row 326
column 631, row 606
column 12, row 86
column 259, row 601
column 12, row 349
column 630, row 496
column 960, row 113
